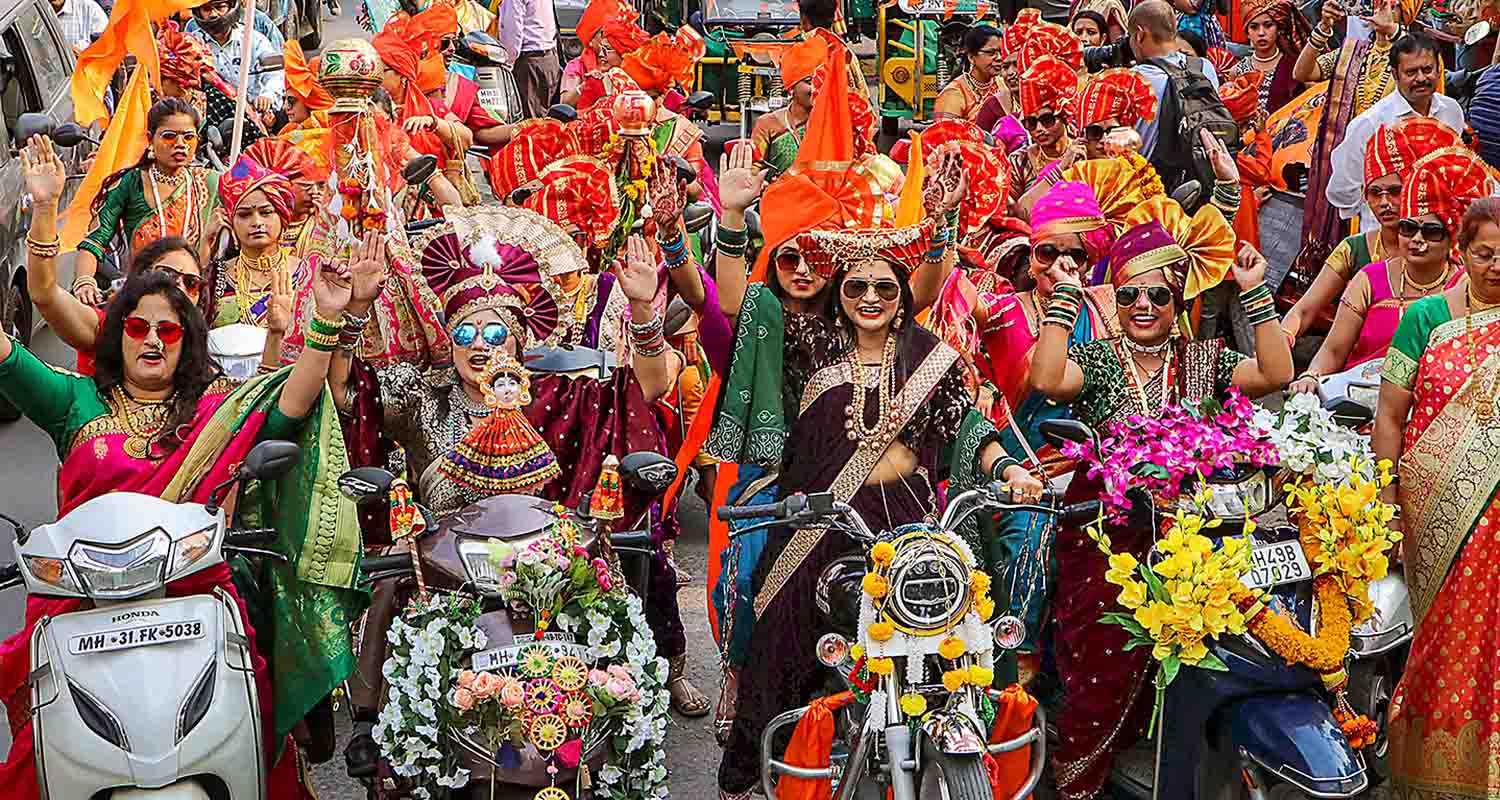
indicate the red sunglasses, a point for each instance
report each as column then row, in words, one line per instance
column 138, row 328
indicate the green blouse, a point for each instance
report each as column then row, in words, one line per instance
column 61, row 402
column 125, row 203
column 1412, row 335
column 1207, row 370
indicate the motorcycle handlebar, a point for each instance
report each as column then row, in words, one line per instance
column 728, row 513
column 392, row 563
column 10, row 575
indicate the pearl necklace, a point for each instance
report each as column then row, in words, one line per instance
column 1147, row 349
column 472, row 409
column 886, row 423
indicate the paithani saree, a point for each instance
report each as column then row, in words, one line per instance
column 940, row 426
column 1445, row 714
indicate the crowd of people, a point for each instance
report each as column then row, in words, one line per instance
column 888, row 327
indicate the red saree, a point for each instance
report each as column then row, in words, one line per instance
column 1445, row 714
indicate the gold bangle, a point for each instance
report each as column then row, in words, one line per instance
column 44, row 249
column 82, row 280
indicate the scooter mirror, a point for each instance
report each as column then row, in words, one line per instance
column 685, row 171
column 562, row 112
column 70, row 134
column 701, row 101
column 33, row 124
column 366, row 484
column 419, row 170
column 678, row 314
column 215, row 138
column 1187, row 194
column 270, row 459
column 647, row 472
column 271, row 61
column 1349, row 413
column 1058, row 431
column 697, row 217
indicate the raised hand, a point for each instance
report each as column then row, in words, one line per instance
column 740, row 183
column 638, row 273
column 331, row 290
column 279, row 310
column 1249, row 267
column 1387, row 18
column 1225, row 170
column 947, row 184
column 44, row 172
column 668, row 196
column 367, row 269
column 1333, row 15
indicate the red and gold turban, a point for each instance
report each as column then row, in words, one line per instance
column 1047, row 39
column 989, row 179
column 1205, row 237
column 1292, row 27
column 184, row 58
column 665, row 61
column 535, row 144
column 801, row 60
column 1118, row 93
column 247, row 176
column 624, row 36
column 578, row 193
column 1015, row 34
column 598, row 14
column 1049, row 83
column 1241, row 96
column 1395, row 147
column 1446, row 182
column 302, row 78
column 281, row 156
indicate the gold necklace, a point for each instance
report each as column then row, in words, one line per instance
column 886, row 422
column 1423, row 289
column 265, row 267
column 1485, row 395
column 141, row 421
column 1138, row 383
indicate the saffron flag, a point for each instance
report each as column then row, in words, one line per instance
column 124, row 143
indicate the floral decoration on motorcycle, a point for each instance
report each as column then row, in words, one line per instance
column 947, row 618
column 587, row 679
column 1168, row 454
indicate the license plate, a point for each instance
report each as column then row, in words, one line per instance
column 558, row 644
column 138, row 636
column 1277, row 564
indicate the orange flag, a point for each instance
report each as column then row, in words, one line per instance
column 130, row 32
column 124, row 142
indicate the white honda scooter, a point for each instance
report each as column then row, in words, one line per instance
column 139, row 695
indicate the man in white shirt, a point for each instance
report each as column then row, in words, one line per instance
column 218, row 26
column 81, row 20
column 1152, row 28
column 1415, row 65
column 528, row 31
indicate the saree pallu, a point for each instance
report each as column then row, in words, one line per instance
column 1102, row 682
column 1322, row 227
column 1445, row 714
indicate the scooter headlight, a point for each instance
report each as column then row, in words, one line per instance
column 120, row 573
column 193, row 547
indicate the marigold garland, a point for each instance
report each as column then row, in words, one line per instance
column 1324, row 652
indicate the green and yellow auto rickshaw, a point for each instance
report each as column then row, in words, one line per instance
column 934, row 28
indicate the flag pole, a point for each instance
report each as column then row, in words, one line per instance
column 241, row 103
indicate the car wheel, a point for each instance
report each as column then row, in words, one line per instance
column 16, row 321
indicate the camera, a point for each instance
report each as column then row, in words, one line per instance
column 1114, row 54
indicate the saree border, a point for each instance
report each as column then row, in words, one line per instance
column 919, row 386
column 1429, row 764
column 1443, row 492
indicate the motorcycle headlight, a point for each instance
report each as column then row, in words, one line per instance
column 119, row 573
column 52, row 571
column 929, row 584
column 482, row 562
column 192, row 547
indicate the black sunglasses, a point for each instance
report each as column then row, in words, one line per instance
column 1096, row 133
column 1431, row 231
column 1046, row 119
column 1046, row 254
column 1126, row 296
column 188, row 283
column 887, row 290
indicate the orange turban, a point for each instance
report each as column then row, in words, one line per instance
column 578, row 193
column 1050, row 82
column 1015, row 35
column 801, row 60
column 1394, row 148
column 598, row 14
column 397, row 52
column 665, row 61
column 302, row 78
column 1446, row 182
column 1119, row 93
column 1047, row 39
column 184, row 57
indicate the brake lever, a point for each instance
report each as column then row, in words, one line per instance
column 256, row 551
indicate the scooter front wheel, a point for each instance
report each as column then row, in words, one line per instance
column 945, row 777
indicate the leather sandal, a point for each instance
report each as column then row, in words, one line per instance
column 686, row 699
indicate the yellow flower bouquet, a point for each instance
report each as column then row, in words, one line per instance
column 1184, row 599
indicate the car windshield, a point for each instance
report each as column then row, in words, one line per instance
column 767, row 10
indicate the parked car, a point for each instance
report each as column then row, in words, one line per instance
column 36, row 66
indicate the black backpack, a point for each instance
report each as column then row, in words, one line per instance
column 1190, row 104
